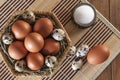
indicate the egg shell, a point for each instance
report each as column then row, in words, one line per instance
column 51, row 61
column 21, row 29
column 17, row 50
column 20, row 65
column 98, row 54
column 28, row 16
column 34, row 42
column 43, row 26
column 7, row 38
column 35, row 61
column 51, row 47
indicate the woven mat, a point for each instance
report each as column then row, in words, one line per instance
column 100, row 33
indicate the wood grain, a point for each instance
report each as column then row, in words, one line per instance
column 88, row 72
column 2, row 2
column 115, row 20
column 111, row 10
column 102, row 6
column 115, row 13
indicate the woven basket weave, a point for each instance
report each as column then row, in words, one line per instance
column 59, row 25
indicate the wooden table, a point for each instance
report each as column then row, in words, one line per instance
column 111, row 10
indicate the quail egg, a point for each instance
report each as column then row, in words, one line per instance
column 77, row 64
column 28, row 16
column 72, row 51
column 7, row 38
column 51, row 61
column 20, row 65
column 58, row 34
column 82, row 51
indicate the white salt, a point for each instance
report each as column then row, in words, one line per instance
column 84, row 14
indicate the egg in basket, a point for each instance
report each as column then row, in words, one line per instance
column 34, row 43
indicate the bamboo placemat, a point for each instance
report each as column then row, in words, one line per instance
column 101, row 32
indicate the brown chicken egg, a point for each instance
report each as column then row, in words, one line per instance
column 21, row 29
column 17, row 50
column 35, row 61
column 51, row 47
column 98, row 54
column 34, row 42
column 43, row 26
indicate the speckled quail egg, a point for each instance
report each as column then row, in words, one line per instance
column 58, row 34
column 20, row 65
column 77, row 64
column 7, row 38
column 82, row 51
column 72, row 51
column 28, row 16
column 51, row 61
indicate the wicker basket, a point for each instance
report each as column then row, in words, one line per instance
column 55, row 20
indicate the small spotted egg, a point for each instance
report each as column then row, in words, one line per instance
column 7, row 38
column 58, row 34
column 51, row 61
column 72, row 51
column 20, row 65
column 28, row 16
column 82, row 51
column 77, row 64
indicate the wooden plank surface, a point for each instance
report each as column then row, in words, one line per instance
column 2, row 2
column 114, row 19
column 88, row 72
column 111, row 10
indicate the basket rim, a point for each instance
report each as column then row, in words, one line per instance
column 51, row 14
